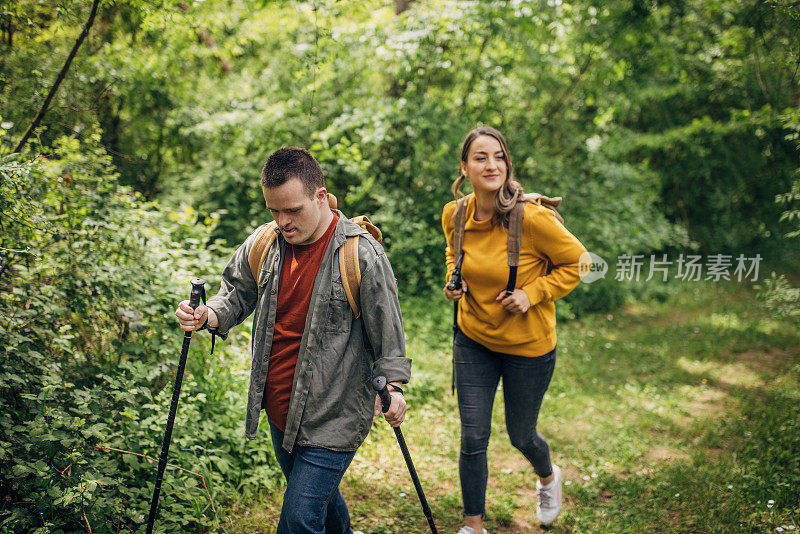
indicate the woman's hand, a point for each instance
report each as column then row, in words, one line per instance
column 516, row 302
column 458, row 293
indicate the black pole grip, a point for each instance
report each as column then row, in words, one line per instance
column 197, row 292
column 379, row 385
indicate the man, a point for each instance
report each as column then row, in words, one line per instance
column 313, row 360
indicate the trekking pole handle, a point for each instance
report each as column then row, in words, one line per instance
column 379, row 385
column 197, row 292
column 455, row 278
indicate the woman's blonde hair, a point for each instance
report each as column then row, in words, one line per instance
column 511, row 191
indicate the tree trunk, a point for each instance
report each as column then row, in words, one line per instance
column 204, row 37
column 60, row 78
column 401, row 5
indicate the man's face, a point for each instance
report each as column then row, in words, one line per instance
column 298, row 214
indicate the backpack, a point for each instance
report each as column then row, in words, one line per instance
column 348, row 256
column 514, row 229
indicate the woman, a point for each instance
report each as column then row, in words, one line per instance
column 505, row 335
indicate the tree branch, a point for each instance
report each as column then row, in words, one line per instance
column 761, row 83
column 60, row 78
column 202, row 478
column 563, row 99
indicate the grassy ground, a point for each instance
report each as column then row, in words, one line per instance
column 677, row 415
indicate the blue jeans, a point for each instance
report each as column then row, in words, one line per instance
column 525, row 380
column 312, row 502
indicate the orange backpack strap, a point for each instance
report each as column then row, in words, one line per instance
column 351, row 274
column 364, row 222
column 348, row 263
column 264, row 240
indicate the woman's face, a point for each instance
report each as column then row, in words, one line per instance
column 486, row 165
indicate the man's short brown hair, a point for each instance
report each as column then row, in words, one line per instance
column 292, row 162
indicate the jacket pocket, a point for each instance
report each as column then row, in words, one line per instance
column 264, row 279
column 339, row 313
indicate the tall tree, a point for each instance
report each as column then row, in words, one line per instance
column 60, row 78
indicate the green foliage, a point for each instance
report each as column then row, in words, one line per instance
column 659, row 123
column 779, row 296
column 664, row 125
column 790, row 200
column 88, row 352
column 708, row 85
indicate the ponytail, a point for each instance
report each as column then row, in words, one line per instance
column 456, row 187
column 505, row 200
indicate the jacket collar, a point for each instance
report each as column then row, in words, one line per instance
column 345, row 228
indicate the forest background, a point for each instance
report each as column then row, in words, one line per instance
column 668, row 126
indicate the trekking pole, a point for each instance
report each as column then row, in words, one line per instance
column 198, row 292
column 452, row 285
column 379, row 385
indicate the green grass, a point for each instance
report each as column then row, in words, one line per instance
column 681, row 414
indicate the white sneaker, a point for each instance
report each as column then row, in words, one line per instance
column 357, row 532
column 469, row 530
column 549, row 498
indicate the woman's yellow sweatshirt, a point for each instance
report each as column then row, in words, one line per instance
column 485, row 269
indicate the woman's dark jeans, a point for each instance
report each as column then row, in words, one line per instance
column 525, row 380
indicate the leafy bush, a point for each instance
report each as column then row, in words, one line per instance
column 779, row 297
column 88, row 353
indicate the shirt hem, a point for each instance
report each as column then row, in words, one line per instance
column 531, row 350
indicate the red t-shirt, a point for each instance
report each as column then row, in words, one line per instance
column 298, row 273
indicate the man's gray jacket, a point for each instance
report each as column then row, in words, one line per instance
column 332, row 400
